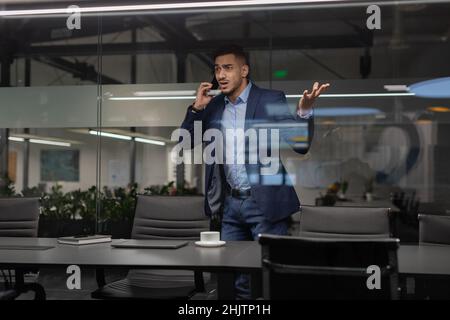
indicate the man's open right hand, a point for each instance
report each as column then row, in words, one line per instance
column 202, row 98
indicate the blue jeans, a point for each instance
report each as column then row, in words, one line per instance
column 243, row 221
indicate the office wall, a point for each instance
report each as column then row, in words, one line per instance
column 284, row 53
column 115, row 163
column 337, row 142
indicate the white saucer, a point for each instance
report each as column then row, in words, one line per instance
column 210, row 244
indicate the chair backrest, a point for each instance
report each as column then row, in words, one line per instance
column 174, row 217
column 346, row 222
column 312, row 268
column 19, row 217
column 434, row 229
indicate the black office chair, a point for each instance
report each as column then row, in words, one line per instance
column 346, row 222
column 159, row 217
column 433, row 230
column 19, row 217
column 327, row 268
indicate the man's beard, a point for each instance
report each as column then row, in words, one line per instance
column 231, row 91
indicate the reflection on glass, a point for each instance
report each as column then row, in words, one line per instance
column 114, row 91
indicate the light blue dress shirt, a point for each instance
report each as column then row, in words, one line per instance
column 233, row 118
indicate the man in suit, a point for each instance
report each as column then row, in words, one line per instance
column 247, row 202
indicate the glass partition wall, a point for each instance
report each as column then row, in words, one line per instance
column 116, row 89
column 49, row 98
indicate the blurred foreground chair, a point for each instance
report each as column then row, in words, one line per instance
column 19, row 217
column 346, row 222
column 162, row 217
column 408, row 204
column 433, row 230
column 327, row 268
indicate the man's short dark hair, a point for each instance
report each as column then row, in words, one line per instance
column 238, row 51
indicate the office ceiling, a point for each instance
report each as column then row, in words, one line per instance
column 415, row 38
column 411, row 30
column 282, row 29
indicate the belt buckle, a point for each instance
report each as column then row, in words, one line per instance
column 240, row 193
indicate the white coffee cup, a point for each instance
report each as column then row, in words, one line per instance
column 210, row 236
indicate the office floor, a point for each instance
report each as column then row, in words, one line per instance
column 54, row 282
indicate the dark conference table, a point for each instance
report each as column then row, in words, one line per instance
column 225, row 261
column 235, row 256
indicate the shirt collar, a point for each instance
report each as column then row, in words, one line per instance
column 243, row 97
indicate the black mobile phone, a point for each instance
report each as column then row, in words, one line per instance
column 215, row 84
column 214, row 89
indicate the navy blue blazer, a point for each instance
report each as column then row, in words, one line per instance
column 278, row 201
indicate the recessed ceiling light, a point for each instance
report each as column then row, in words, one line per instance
column 109, row 135
column 51, row 142
column 439, row 109
column 152, row 98
column 17, row 139
column 150, row 141
column 163, row 6
column 345, row 112
column 358, row 95
column 396, row 87
column 423, row 121
column 167, row 93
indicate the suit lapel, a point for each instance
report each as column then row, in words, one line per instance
column 252, row 103
column 216, row 116
column 215, row 122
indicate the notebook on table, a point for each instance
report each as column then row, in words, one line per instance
column 80, row 240
column 150, row 244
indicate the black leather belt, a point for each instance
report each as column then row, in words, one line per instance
column 237, row 193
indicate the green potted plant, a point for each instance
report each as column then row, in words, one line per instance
column 117, row 209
